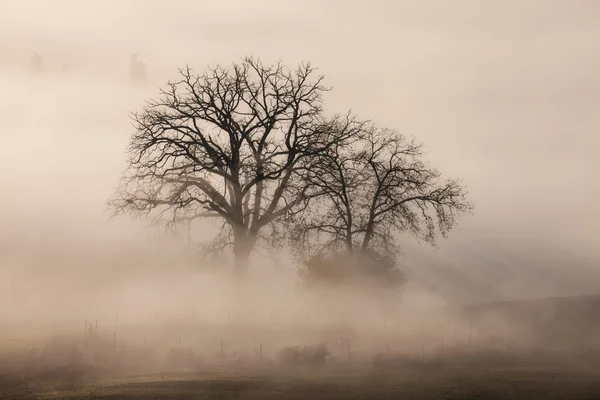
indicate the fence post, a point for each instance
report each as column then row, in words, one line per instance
column 470, row 327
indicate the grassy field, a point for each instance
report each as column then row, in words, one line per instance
column 242, row 363
column 446, row 383
column 481, row 375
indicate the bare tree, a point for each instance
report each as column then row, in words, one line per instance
column 137, row 71
column 231, row 144
column 371, row 191
column 37, row 62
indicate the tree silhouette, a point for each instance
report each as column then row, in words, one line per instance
column 231, row 144
column 137, row 71
column 37, row 62
column 371, row 191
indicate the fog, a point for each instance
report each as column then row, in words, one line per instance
column 504, row 95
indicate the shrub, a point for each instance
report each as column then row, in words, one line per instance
column 304, row 356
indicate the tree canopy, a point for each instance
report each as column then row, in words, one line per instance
column 251, row 147
column 231, row 144
column 372, row 190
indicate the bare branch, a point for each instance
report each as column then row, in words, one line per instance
column 370, row 190
column 232, row 143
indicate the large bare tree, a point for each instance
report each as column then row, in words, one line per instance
column 233, row 144
column 371, row 191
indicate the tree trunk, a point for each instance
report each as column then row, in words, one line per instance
column 242, row 248
column 368, row 233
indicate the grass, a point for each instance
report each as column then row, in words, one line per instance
column 447, row 384
column 360, row 380
column 99, row 368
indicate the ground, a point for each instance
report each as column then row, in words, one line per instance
column 347, row 382
column 217, row 367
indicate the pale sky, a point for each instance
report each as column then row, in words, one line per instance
column 504, row 94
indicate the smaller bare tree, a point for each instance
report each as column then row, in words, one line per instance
column 370, row 192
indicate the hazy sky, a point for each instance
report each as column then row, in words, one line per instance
column 505, row 94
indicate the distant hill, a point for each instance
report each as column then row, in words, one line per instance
column 474, row 273
column 551, row 323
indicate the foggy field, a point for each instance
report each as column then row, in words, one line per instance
column 98, row 367
column 169, row 354
column 444, row 383
column 340, row 199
